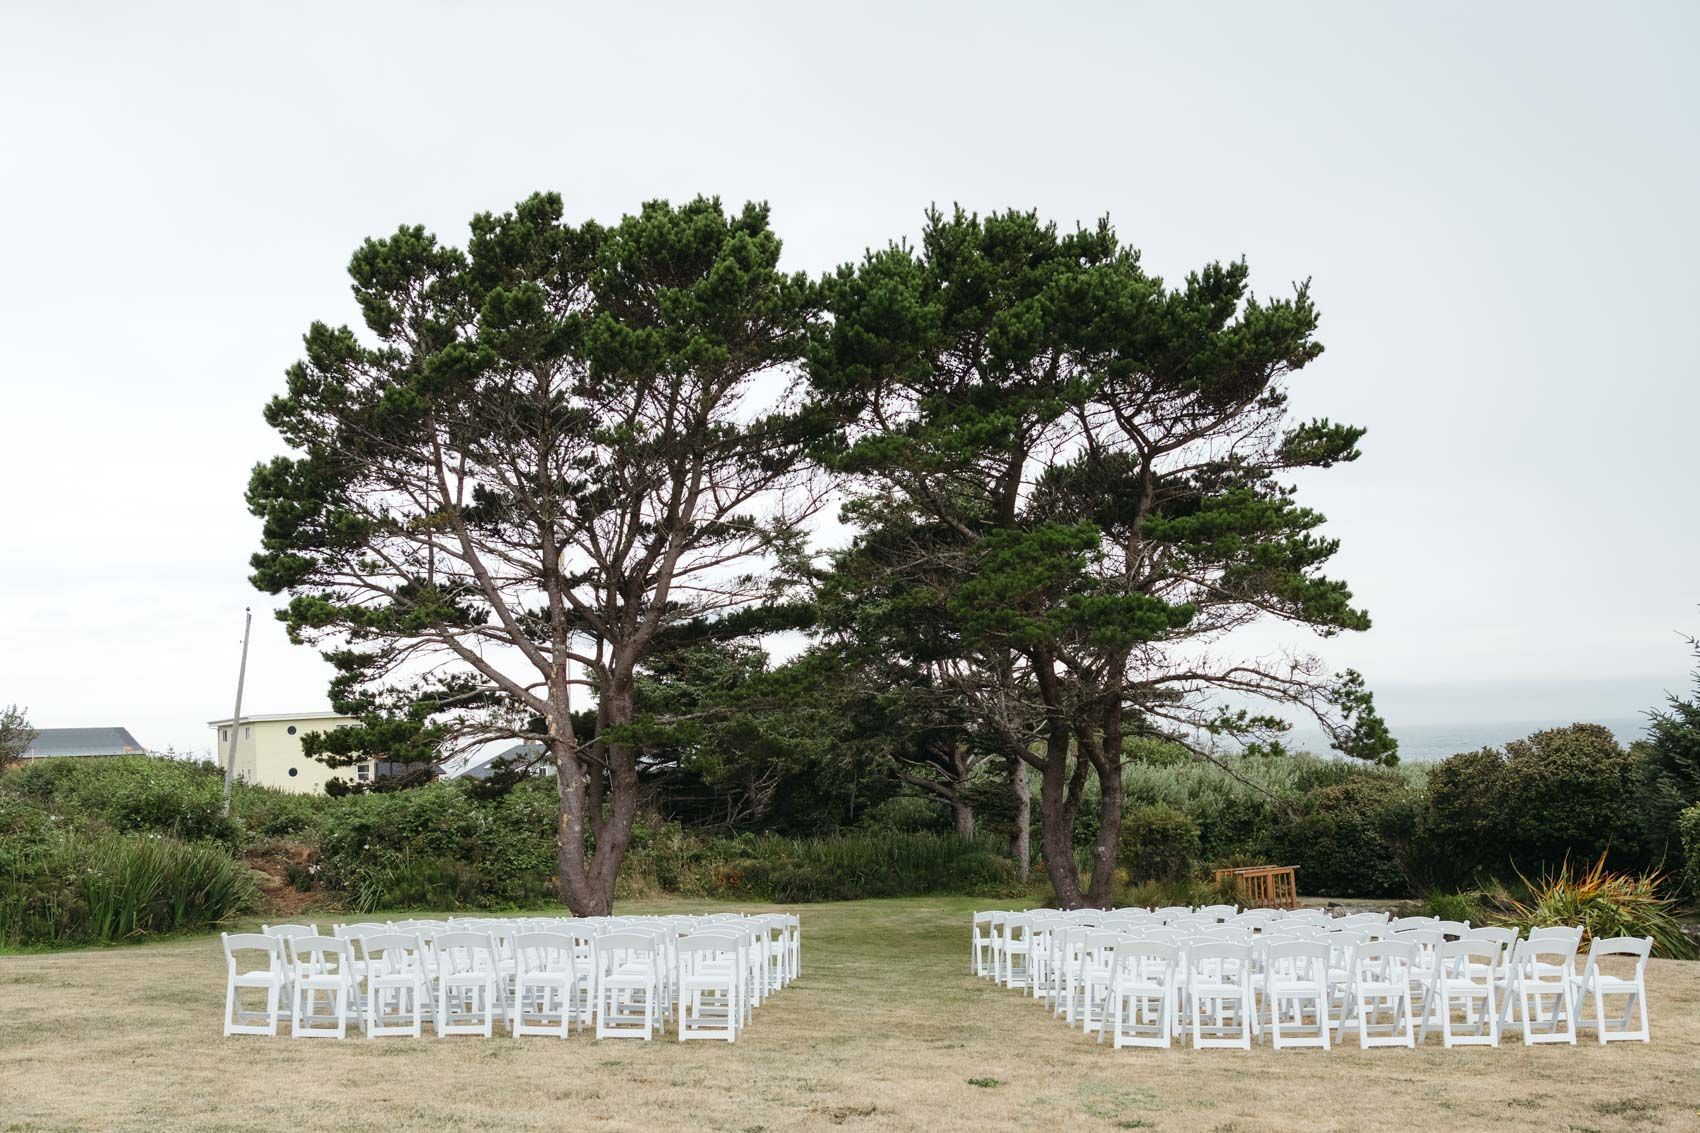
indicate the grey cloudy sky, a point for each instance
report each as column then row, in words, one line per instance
column 1495, row 203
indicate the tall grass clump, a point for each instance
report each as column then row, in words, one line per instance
column 73, row 886
column 1605, row 904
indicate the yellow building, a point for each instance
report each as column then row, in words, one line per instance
column 268, row 751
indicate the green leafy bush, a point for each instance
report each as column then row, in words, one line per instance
column 1469, row 906
column 1689, row 824
column 1159, row 843
column 1350, row 839
column 905, row 814
column 130, row 794
column 1562, row 792
column 383, row 849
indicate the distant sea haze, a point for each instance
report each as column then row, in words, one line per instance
column 1420, row 743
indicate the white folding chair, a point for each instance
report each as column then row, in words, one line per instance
column 398, row 992
column 1219, row 988
column 1542, row 968
column 1464, row 981
column 1600, row 983
column 321, row 966
column 469, row 985
column 628, row 985
column 1381, row 982
column 547, row 985
column 1295, row 974
column 266, row 972
column 709, row 980
column 1143, row 993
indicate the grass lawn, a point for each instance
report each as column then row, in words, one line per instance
column 884, row 1031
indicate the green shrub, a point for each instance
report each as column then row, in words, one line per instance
column 1158, row 843
column 1689, row 825
column 130, row 794
column 266, row 813
column 1560, row 793
column 382, row 849
column 72, row 886
column 905, row 814
column 1469, row 906
column 1350, row 839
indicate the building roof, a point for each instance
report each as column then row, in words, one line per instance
column 269, row 718
column 83, row 741
column 483, row 765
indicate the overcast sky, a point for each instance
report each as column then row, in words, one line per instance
column 1496, row 204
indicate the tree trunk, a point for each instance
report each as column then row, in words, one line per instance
column 964, row 813
column 1104, row 847
column 1058, row 835
column 1021, row 839
column 587, row 881
column 1109, row 766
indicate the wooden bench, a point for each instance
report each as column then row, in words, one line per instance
column 1265, row 886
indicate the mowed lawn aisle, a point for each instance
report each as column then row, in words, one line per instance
column 885, row 1030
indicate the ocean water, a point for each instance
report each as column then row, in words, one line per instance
column 1419, row 743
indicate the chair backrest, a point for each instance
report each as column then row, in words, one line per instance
column 359, row 928
column 391, row 951
column 1571, row 934
column 1637, row 948
column 460, row 951
column 1452, row 930
column 543, row 952
column 1462, row 959
column 1297, row 960
column 1144, row 957
column 285, row 931
column 707, row 947
column 1219, row 961
column 1530, row 956
column 235, row 942
column 320, row 953
column 1390, row 959
column 614, row 949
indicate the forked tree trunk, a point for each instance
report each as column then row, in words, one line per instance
column 1055, row 792
column 587, row 881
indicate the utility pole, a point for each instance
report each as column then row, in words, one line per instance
column 236, row 717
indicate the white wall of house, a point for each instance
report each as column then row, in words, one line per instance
column 268, row 752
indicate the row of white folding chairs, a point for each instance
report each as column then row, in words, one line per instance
column 535, row 975
column 1002, row 951
column 1497, row 979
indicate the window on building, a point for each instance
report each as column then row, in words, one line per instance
column 294, row 771
column 247, row 731
column 224, row 735
column 292, row 729
column 363, row 772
